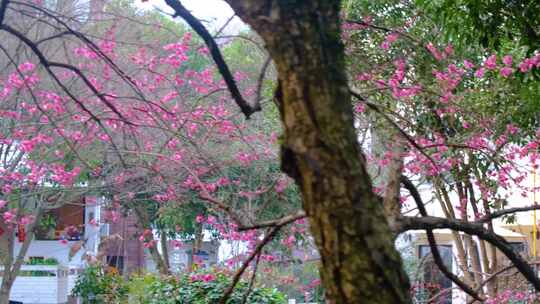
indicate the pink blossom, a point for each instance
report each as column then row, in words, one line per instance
column 385, row 45
column 176, row 244
column 364, row 77
column 479, row 73
column 211, row 220
column 6, row 189
column 468, row 65
column 526, row 65
column 289, row 241
column 491, row 62
column 281, row 185
column 208, row 277
column 359, row 108
column 391, row 38
column 199, row 218
column 26, row 67
column 9, row 216
column 506, row 71
column 27, row 219
column 27, row 146
column 449, row 50
column 507, row 60
column 3, row 203
column 433, row 50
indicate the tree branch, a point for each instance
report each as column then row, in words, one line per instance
column 432, row 222
column 273, row 231
column 499, row 213
column 278, row 222
column 433, row 243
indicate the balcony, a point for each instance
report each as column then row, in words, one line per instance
column 66, row 222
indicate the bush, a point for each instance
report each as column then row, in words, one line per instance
column 206, row 288
column 96, row 285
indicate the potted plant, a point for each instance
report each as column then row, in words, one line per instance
column 46, row 228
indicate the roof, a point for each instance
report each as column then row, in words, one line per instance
column 498, row 230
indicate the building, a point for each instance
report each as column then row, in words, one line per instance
column 72, row 235
column 467, row 251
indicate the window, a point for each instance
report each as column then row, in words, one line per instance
column 433, row 280
column 116, row 262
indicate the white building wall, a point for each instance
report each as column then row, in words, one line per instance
column 41, row 289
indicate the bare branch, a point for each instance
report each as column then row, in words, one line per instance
column 432, row 222
column 499, row 213
column 433, row 243
column 278, row 222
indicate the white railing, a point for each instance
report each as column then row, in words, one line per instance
column 41, row 284
column 293, row 301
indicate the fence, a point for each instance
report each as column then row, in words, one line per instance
column 41, row 284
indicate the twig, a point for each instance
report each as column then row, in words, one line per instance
column 260, row 81
column 499, row 213
column 273, row 231
column 252, row 281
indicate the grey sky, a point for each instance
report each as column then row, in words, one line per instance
column 217, row 12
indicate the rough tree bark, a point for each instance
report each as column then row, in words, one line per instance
column 320, row 150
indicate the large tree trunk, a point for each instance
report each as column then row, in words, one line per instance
column 13, row 264
column 144, row 222
column 7, row 261
column 321, row 152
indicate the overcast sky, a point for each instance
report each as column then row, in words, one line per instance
column 215, row 11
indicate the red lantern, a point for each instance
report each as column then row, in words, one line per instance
column 21, row 233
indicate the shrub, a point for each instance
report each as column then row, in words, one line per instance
column 96, row 285
column 206, row 288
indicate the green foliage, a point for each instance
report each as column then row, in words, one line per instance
column 296, row 279
column 138, row 286
column 47, row 222
column 490, row 23
column 184, row 290
column 507, row 100
column 36, row 261
column 152, row 289
column 96, row 285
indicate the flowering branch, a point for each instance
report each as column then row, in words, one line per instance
column 223, row 68
column 273, row 231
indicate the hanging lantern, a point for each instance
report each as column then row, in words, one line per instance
column 21, row 233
